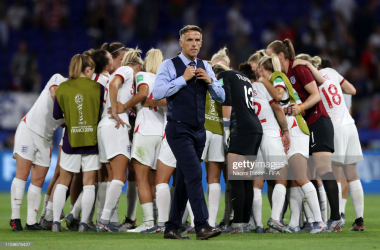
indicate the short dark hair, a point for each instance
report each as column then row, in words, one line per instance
column 101, row 60
column 325, row 64
column 189, row 27
column 246, row 69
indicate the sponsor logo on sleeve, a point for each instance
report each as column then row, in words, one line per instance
column 140, row 78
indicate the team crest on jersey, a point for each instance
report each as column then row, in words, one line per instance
column 293, row 80
column 24, row 149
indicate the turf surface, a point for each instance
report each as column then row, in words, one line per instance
column 368, row 239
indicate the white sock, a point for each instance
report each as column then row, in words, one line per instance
column 88, row 199
column 295, row 204
column 340, row 197
column 46, row 199
column 155, row 211
column 357, row 196
column 190, row 213
column 185, row 215
column 213, row 202
column 112, row 197
column 343, row 205
column 49, row 211
column 311, row 198
column 59, row 199
column 77, row 208
column 257, row 205
column 237, row 225
column 323, row 203
column 17, row 193
column 90, row 219
column 71, row 207
column 34, row 201
column 100, row 199
column 252, row 223
column 147, row 210
column 278, row 199
column 132, row 199
column 163, row 202
column 114, row 213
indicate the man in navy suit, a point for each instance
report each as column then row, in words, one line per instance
column 184, row 81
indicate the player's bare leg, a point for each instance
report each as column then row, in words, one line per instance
column 76, row 194
column 357, row 196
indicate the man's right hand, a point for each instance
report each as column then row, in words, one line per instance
column 189, row 73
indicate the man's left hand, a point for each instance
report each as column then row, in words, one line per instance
column 202, row 74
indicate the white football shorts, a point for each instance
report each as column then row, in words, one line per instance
column 347, row 146
column 166, row 155
column 214, row 150
column 146, row 148
column 74, row 163
column 113, row 142
column 32, row 146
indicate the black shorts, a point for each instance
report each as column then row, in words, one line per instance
column 321, row 136
column 246, row 144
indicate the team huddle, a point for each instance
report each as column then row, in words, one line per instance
column 277, row 106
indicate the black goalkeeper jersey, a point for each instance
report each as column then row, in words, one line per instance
column 239, row 95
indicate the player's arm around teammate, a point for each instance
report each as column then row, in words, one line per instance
column 270, row 69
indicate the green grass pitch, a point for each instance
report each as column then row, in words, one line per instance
column 368, row 239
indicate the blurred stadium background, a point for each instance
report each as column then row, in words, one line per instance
column 39, row 37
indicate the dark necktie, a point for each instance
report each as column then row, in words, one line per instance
column 192, row 63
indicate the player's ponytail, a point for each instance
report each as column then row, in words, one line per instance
column 256, row 56
column 222, row 55
column 270, row 63
column 132, row 58
column 315, row 61
column 78, row 65
column 153, row 60
column 285, row 47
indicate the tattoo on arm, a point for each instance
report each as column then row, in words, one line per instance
column 284, row 126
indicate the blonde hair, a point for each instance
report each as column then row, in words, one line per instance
column 315, row 61
column 79, row 63
column 256, row 56
column 222, row 55
column 271, row 63
column 211, row 63
column 218, row 67
column 286, row 47
column 132, row 57
column 153, row 60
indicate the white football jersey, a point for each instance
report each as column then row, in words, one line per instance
column 285, row 102
column 332, row 98
column 40, row 117
column 262, row 100
column 149, row 120
column 101, row 78
column 125, row 93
